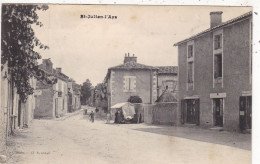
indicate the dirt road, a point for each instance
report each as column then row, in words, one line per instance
column 76, row 140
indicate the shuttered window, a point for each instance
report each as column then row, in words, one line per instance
column 218, row 66
column 190, row 51
column 218, row 41
column 190, row 72
column 129, row 84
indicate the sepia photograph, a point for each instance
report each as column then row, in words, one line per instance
column 126, row 84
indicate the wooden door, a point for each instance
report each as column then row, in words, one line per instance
column 245, row 112
column 218, row 110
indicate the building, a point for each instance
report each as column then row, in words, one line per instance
column 52, row 99
column 215, row 75
column 167, row 83
column 73, row 96
column 14, row 112
column 131, row 79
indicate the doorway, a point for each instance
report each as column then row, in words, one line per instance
column 218, row 111
column 245, row 112
column 190, row 111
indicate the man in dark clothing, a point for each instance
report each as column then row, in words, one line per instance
column 116, row 118
column 92, row 116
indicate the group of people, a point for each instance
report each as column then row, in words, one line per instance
column 119, row 117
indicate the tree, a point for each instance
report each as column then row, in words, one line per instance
column 85, row 91
column 135, row 99
column 18, row 44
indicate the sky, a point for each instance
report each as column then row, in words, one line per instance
column 86, row 48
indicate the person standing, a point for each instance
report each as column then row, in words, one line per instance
column 92, row 116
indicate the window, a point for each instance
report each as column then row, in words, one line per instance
column 190, row 51
column 218, row 66
column 218, row 41
column 190, row 65
column 190, row 72
column 129, row 83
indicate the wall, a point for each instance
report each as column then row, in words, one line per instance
column 62, row 101
column 235, row 74
column 4, row 110
column 163, row 77
column 148, row 115
column 44, row 104
column 143, row 86
column 164, row 113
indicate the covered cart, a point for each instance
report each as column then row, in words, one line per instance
column 123, row 112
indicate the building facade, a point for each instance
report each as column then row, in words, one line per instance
column 131, row 79
column 73, row 96
column 51, row 99
column 14, row 112
column 167, row 83
column 215, row 75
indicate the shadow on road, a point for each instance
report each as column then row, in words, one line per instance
column 237, row 140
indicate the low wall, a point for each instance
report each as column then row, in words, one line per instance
column 165, row 113
column 148, row 115
column 161, row 113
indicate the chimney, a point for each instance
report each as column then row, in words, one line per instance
column 215, row 18
column 58, row 70
column 129, row 58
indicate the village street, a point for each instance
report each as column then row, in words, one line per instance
column 76, row 140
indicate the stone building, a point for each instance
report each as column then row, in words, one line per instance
column 52, row 99
column 14, row 113
column 167, row 83
column 131, row 79
column 215, row 75
column 73, row 96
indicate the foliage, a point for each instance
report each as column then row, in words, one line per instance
column 18, row 43
column 103, row 91
column 85, row 91
column 135, row 99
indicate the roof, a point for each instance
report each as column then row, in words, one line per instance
column 132, row 65
column 167, row 96
column 168, row 70
column 234, row 20
column 119, row 105
column 60, row 75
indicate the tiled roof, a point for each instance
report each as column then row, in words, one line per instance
column 168, row 70
column 248, row 14
column 60, row 75
column 132, row 65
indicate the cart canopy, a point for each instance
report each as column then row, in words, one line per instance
column 127, row 108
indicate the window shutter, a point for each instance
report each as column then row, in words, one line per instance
column 133, row 84
column 220, row 41
column 215, row 66
column 126, row 83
